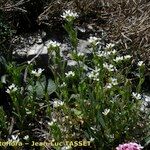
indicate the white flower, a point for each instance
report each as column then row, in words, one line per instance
column 93, row 40
column 102, row 54
column 105, row 53
column 70, row 74
column 136, row 95
column 26, row 137
column 38, row 72
column 63, row 84
column 11, row 88
column 28, row 62
column 109, row 46
column 58, row 103
column 127, row 57
column 140, row 63
column 119, row 58
column 14, row 138
column 80, row 54
column 92, row 139
column 109, row 67
column 54, row 44
column 109, row 86
column 105, row 112
column 65, row 148
column 114, row 51
column 28, row 111
column 69, row 15
column 114, row 81
column 94, row 74
column 52, row 122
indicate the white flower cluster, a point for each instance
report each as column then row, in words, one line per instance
column 38, row 72
column 93, row 40
column 94, row 74
column 136, row 95
column 70, row 74
column 69, row 15
column 109, row 67
column 106, row 53
column 54, row 44
column 113, row 81
column 57, row 103
column 11, row 88
column 120, row 58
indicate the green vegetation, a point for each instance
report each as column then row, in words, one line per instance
column 94, row 100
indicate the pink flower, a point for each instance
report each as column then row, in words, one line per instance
column 129, row 146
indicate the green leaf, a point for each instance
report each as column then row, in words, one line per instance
column 40, row 87
column 77, row 112
column 147, row 140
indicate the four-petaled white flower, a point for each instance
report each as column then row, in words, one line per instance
column 70, row 74
column 140, row 63
column 38, row 72
column 93, row 40
column 136, row 95
column 105, row 112
column 54, row 44
column 69, row 15
column 11, row 88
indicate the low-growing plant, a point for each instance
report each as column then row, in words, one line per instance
column 95, row 99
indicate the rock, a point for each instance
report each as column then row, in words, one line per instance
column 36, row 48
